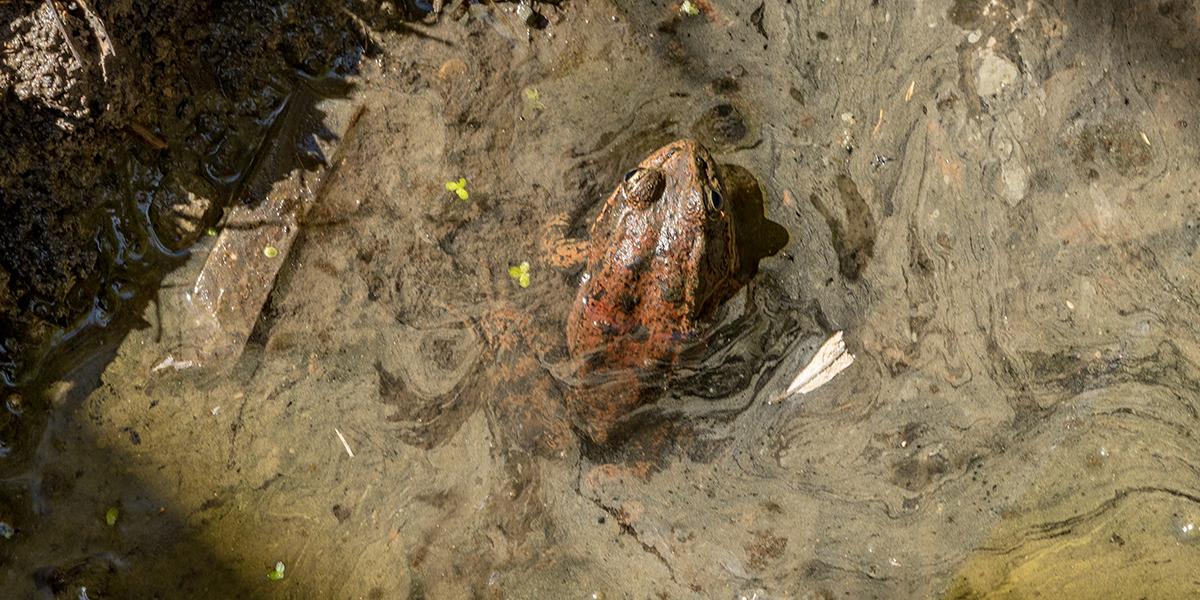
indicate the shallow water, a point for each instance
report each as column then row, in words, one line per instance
column 993, row 200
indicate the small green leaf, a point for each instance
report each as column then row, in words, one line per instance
column 270, row 252
column 533, row 98
column 110, row 516
column 689, row 8
column 520, row 273
column 211, row 231
column 277, row 573
column 458, row 187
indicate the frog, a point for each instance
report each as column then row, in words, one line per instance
column 661, row 259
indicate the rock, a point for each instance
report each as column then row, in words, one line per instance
column 1014, row 181
column 530, row 16
column 452, row 69
column 995, row 74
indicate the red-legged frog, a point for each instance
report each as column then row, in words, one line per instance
column 660, row 261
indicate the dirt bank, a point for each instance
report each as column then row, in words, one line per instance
column 125, row 134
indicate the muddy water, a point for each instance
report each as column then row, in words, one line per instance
column 994, row 201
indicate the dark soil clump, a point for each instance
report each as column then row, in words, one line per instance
column 113, row 163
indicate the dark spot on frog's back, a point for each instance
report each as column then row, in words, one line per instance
column 640, row 334
column 628, row 302
column 608, row 330
column 594, row 360
column 639, row 265
column 671, row 292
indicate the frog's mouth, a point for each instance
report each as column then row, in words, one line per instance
column 714, row 262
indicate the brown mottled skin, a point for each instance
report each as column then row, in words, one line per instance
column 660, row 262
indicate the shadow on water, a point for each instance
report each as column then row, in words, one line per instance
column 61, row 544
column 149, row 204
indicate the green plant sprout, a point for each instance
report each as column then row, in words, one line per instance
column 458, row 187
column 110, row 515
column 689, row 8
column 277, row 573
column 520, row 273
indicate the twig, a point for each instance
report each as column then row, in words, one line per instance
column 98, row 29
column 147, row 136
column 344, row 444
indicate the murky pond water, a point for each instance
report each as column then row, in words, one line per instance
column 995, row 201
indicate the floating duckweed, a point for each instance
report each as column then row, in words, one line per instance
column 689, row 8
column 110, row 515
column 270, row 252
column 520, row 273
column 458, row 187
column 277, row 573
column 533, row 98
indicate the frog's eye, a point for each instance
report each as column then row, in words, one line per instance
column 715, row 201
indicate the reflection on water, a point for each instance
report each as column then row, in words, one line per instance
column 1019, row 418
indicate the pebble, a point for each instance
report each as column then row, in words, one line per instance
column 452, row 69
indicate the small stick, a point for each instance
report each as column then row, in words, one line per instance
column 344, row 444
column 148, row 136
column 101, row 33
